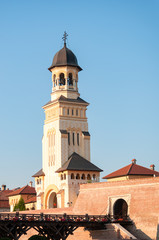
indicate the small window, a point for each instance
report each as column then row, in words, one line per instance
column 77, row 176
column 78, row 139
column 72, row 176
column 73, row 138
column 68, row 138
column 72, row 112
column 76, row 112
column 70, row 81
column 94, row 177
column 68, row 112
column 61, row 176
column 62, row 79
column 54, row 81
column 88, row 177
column 83, row 176
column 64, row 176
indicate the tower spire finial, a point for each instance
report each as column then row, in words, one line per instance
column 65, row 35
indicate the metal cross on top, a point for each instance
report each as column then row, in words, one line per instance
column 65, row 37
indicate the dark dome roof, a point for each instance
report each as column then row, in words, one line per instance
column 65, row 57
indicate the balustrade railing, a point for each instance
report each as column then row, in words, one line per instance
column 17, row 216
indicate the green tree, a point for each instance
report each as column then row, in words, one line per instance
column 16, row 208
column 20, row 206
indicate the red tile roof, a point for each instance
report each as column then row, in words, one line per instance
column 4, row 201
column 31, row 199
column 24, row 190
column 132, row 169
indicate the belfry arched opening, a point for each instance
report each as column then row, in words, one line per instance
column 120, row 209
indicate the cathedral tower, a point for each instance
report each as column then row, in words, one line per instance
column 66, row 140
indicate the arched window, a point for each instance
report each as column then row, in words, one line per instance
column 78, row 139
column 40, row 181
column 51, row 148
column 37, row 181
column 54, row 80
column 64, row 176
column 70, row 80
column 94, row 177
column 88, row 177
column 77, row 176
column 61, row 176
column 73, row 138
column 62, row 79
column 83, row 176
column 68, row 138
column 72, row 176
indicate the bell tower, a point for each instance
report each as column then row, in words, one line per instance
column 66, row 140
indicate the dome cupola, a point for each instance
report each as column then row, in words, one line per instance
column 65, row 57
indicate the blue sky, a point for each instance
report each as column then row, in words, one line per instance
column 116, row 43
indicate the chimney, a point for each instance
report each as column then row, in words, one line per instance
column 133, row 161
column 3, row 187
column 152, row 167
column 30, row 183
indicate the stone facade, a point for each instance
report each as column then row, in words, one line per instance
column 65, row 132
column 141, row 196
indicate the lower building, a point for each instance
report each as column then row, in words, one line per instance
column 27, row 193
column 4, row 201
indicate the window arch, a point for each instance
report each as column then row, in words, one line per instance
column 51, row 147
column 78, row 139
column 83, row 176
column 88, row 177
column 54, row 80
column 62, row 79
column 72, row 176
column 73, row 138
column 68, row 138
column 94, row 177
column 70, row 79
column 77, row 176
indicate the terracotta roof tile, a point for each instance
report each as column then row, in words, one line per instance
column 24, row 190
column 132, row 169
column 31, row 199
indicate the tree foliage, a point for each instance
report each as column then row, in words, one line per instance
column 20, row 206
